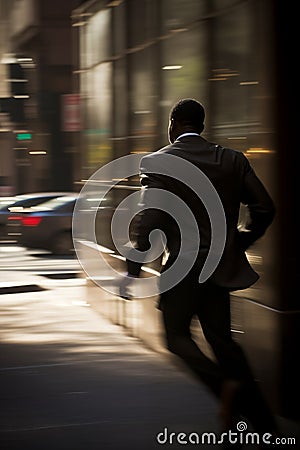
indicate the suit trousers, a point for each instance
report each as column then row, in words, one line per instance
column 210, row 304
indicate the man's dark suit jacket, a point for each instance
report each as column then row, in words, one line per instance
column 235, row 182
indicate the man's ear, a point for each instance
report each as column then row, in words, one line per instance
column 171, row 130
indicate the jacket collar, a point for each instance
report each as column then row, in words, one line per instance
column 187, row 134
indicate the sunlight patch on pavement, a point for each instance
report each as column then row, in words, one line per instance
column 80, row 303
column 11, row 249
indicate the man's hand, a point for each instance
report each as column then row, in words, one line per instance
column 124, row 286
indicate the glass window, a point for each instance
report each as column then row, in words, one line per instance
column 119, row 29
column 143, row 23
column 143, row 100
column 183, row 70
column 98, row 38
column 120, row 98
column 176, row 14
column 98, row 132
column 234, row 76
column 83, row 46
column 218, row 5
column 239, row 80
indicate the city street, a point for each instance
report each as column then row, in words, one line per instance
column 36, row 262
column 69, row 379
column 23, row 270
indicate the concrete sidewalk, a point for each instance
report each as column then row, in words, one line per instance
column 71, row 380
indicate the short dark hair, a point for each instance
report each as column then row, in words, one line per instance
column 189, row 112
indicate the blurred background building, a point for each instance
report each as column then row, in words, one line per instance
column 84, row 82
column 137, row 58
column 36, row 53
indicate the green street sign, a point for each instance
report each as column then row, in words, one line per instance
column 24, row 136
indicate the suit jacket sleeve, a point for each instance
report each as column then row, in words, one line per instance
column 149, row 219
column 259, row 203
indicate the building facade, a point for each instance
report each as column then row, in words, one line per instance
column 135, row 59
column 37, row 68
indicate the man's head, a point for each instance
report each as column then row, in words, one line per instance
column 187, row 116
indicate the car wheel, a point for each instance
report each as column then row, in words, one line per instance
column 62, row 244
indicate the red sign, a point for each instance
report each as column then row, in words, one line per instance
column 71, row 119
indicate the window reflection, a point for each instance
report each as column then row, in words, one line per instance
column 142, row 101
column 184, row 71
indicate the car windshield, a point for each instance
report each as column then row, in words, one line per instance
column 54, row 203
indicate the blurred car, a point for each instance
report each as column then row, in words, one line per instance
column 5, row 203
column 15, row 205
column 47, row 226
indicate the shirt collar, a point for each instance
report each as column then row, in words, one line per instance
column 187, row 134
